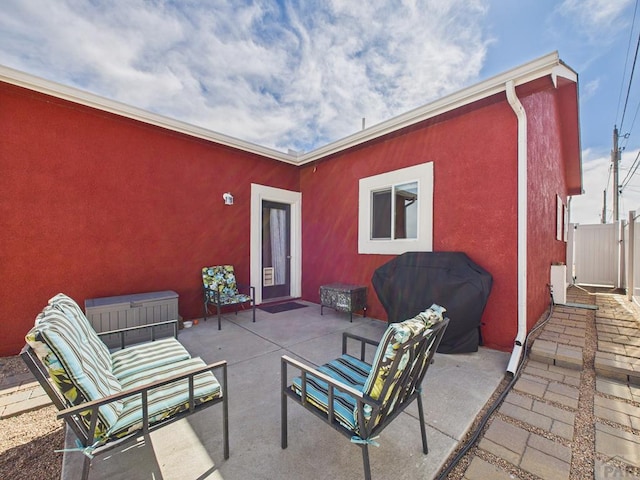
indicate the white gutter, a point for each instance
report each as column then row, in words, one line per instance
column 517, row 107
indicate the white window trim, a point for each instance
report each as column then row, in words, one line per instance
column 423, row 175
column 560, row 219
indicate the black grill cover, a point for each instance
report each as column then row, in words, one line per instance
column 413, row 281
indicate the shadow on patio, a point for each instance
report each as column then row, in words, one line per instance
column 455, row 389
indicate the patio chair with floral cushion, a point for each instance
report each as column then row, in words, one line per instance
column 220, row 289
column 359, row 399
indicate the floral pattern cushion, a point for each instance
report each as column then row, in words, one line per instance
column 221, row 278
column 394, row 337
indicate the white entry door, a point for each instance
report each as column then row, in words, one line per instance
column 262, row 195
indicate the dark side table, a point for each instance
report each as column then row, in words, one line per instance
column 343, row 297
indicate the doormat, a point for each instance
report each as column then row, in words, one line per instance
column 282, row 307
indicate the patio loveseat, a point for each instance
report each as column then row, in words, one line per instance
column 108, row 397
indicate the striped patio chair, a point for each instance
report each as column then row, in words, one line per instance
column 360, row 399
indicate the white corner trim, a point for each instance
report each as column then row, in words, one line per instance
column 563, row 71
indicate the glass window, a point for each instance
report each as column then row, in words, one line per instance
column 406, row 218
column 396, row 211
column 381, row 214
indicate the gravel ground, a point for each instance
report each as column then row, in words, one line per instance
column 28, row 441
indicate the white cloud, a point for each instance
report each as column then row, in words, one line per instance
column 589, row 89
column 295, row 76
column 595, row 14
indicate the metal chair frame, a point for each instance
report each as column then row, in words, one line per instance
column 86, row 434
column 406, row 389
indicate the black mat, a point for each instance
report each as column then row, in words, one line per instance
column 282, row 307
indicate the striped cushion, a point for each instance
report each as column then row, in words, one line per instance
column 347, row 370
column 165, row 401
column 70, row 359
column 70, row 308
column 133, row 360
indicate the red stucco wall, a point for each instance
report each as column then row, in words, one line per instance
column 545, row 180
column 474, row 207
column 96, row 205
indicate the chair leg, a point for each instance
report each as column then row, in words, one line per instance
column 219, row 319
column 206, row 310
column 86, row 464
column 365, row 460
column 284, row 434
column 253, row 304
column 283, row 406
column 423, row 428
column 225, row 415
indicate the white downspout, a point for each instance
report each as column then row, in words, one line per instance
column 522, row 226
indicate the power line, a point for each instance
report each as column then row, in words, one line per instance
column 615, row 152
column 631, row 172
column 633, row 67
column 627, row 135
column 626, row 57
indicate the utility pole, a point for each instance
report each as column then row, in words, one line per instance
column 604, row 207
column 615, row 158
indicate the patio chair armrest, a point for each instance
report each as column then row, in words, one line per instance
column 362, row 341
column 142, row 389
column 152, row 326
column 250, row 288
column 307, row 370
column 327, row 414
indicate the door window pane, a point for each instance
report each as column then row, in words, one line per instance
column 278, row 237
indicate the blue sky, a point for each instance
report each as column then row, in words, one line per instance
column 297, row 75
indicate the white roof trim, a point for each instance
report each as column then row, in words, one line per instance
column 82, row 97
column 547, row 65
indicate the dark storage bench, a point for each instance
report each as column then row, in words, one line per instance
column 344, row 298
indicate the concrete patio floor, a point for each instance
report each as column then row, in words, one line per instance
column 455, row 390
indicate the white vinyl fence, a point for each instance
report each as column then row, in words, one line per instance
column 606, row 255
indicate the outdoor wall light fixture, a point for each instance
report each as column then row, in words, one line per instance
column 228, row 198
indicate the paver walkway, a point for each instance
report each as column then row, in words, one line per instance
column 574, row 412
column 19, row 394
